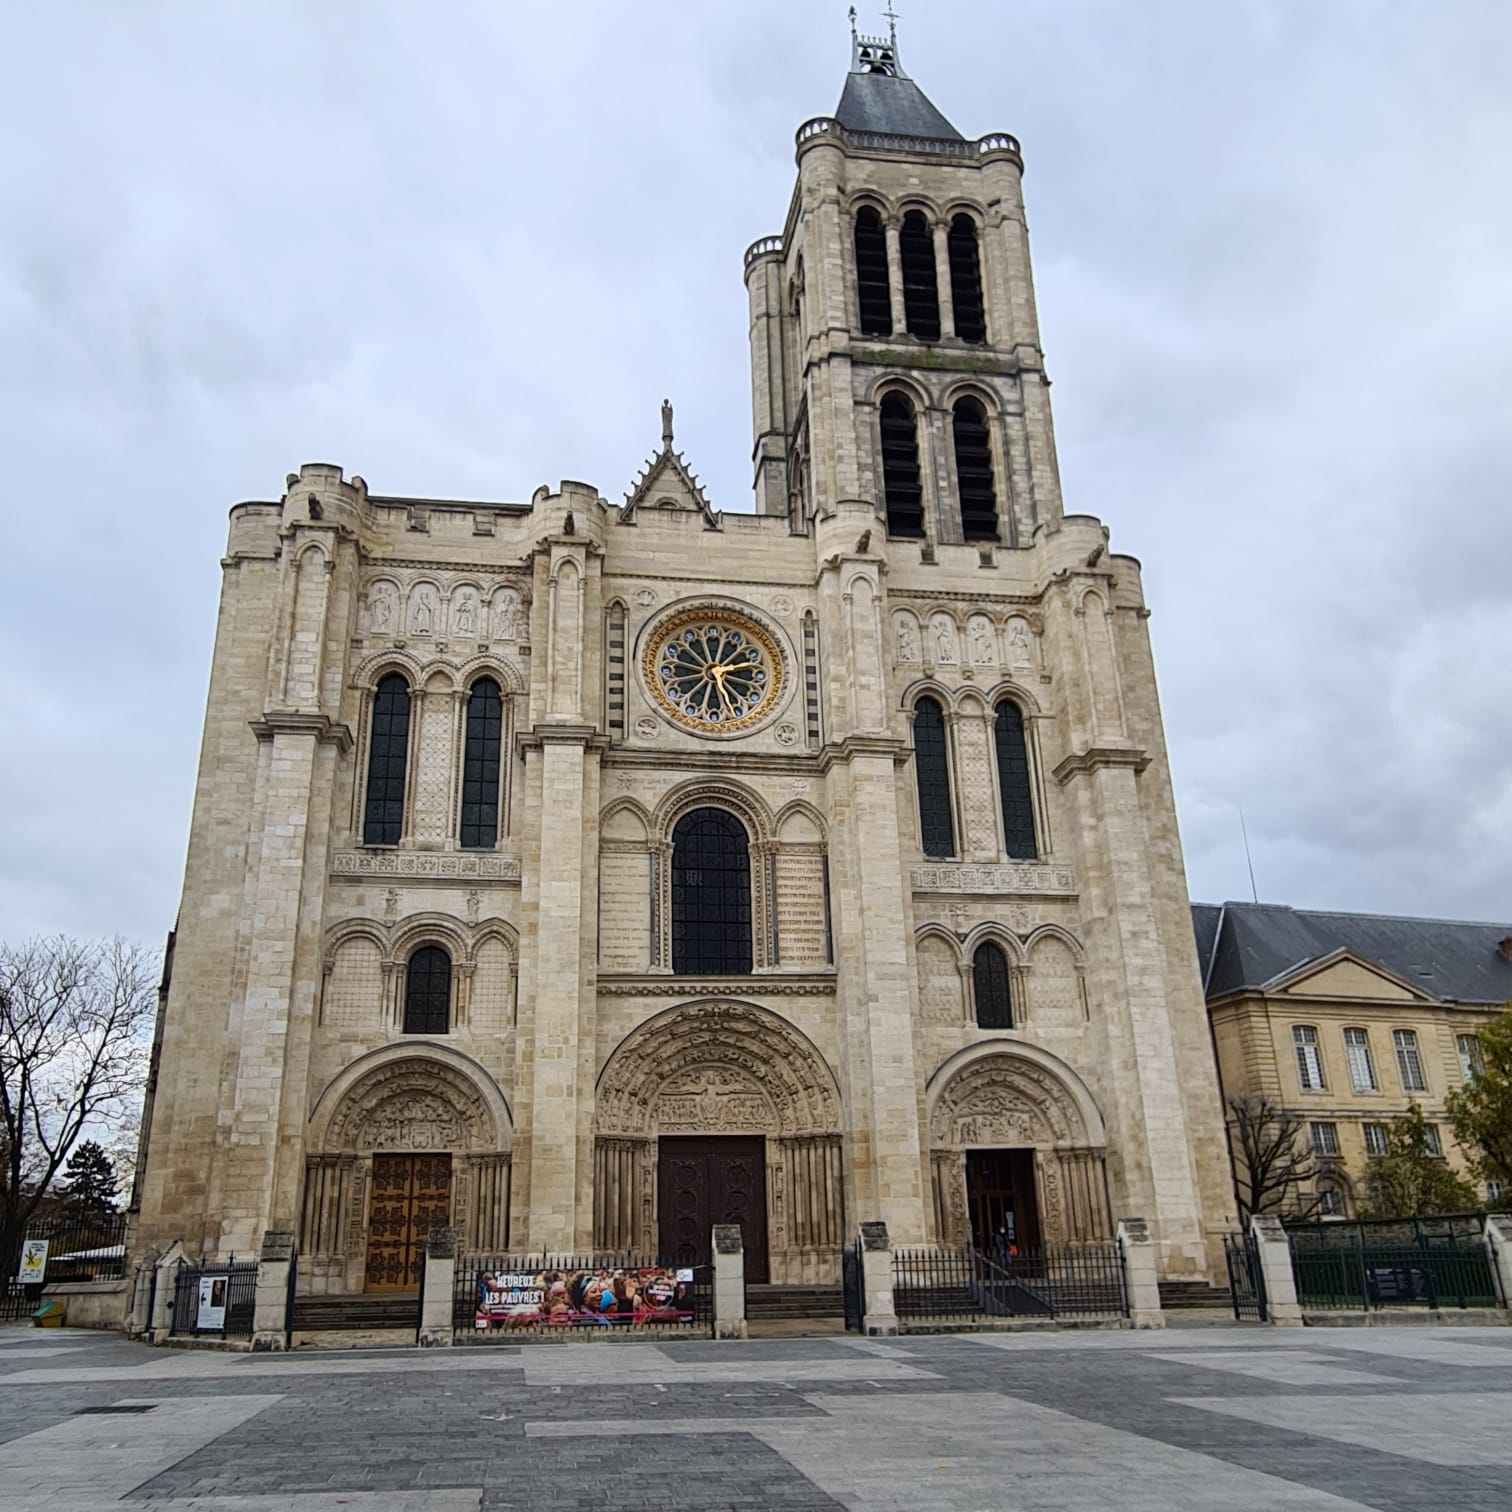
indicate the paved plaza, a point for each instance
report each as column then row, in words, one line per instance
column 1238, row 1418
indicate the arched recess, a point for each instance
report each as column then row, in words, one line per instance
column 942, row 977
column 409, row 1106
column 1056, row 979
column 715, row 1068
column 1018, row 1101
column 626, row 872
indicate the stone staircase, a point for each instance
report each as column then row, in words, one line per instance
column 367, row 1311
column 769, row 1303
column 1196, row 1297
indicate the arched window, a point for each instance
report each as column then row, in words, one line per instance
column 932, row 766
column 974, row 483
column 388, row 758
column 966, row 280
column 480, row 766
column 711, row 895
column 990, row 987
column 902, row 491
column 873, row 293
column 427, row 991
column 1013, row 782
column 921, row 290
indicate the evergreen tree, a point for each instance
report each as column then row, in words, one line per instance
column 1409, row 1181
column 89, row 1179
column 1481, row 1110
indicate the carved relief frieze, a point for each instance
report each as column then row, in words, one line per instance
column 1013, row 877
column 1003, row 1100
column 421, row 865
column 412, row 1105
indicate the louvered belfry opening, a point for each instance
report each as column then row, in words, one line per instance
column 974, row 481
column 872, row 291
column 921, row 290
column 901, row 487
column 966, row 280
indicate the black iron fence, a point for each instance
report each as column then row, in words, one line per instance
column 934, row 1288
column 82, row 1246
column 510, row 1297
column 18, row 1301
column 215, row 1299
column 1246, row 1279
column 1398, row 1262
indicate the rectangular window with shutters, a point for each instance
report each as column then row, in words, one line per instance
column 1431, row 1139
column 1471, row 1062
column 1361, row 1069
column 1377, row 1139
column 1409, row 1063
column 1309, row 1061
column 1325, row 1139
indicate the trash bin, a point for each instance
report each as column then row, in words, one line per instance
column 49, row 1315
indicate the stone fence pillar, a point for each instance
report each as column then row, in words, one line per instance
column 729, row 1282
column 1499, row 1247
column 139, row 1314
column 1141, row 1278
column 165, row 1284
column 275, row 1274
column 436, row 1290
column 1276, row 1271
column 877, row 1280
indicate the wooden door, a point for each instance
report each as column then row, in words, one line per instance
column 701, row 1182
column 1000, row 1202
column 411, row 1195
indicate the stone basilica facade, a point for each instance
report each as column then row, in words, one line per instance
column 579, row 874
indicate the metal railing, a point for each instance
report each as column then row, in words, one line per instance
column 1246, row 1277
column 963, row 1287
column 83, row 1246
column 510, row 1297
column 1408, row 1262
column 215, row 1299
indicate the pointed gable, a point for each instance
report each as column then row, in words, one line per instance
column 667, row 482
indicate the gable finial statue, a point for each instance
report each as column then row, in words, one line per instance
column 666, row 425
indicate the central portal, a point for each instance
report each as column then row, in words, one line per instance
column 703, row 1181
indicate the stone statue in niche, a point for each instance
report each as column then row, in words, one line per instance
column 383, row 609
column 506, row 613
column 467, row 612
column 944, row 638
column 422, row 616
column 908, row 640
column 983, row 651
column 1019, row 653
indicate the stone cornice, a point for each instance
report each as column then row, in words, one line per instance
column 541, row 735
column 286, row 722
column 377, row 561
column 1096, row 757
column 852, row 746
column 640, row 758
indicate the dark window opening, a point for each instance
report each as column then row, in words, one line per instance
column 873, row 293
column 1013, row 782
column 966, row 280
column 388, row 759
column 921, row 290
column 932, row 767
column 480, row 766
column 974, row 481
column 991, row 987
column 427, row 991
column 711, row 895
column 901, row 488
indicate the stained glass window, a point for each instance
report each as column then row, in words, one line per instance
column 932, row 767
column 480, row 766
column 427, row 991
column 388, row 758
column 1013, row 782
column 711, row 895
column 990, row 987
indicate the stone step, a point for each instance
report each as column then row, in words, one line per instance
column 364, row 1310
column 1178, row 1295
column 769, row 1301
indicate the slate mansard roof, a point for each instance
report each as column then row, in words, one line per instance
column 1251, row 945
column 891, row 105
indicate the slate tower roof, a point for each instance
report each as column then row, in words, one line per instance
column 878, row 96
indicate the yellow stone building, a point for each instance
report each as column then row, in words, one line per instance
column 1346, row 1019
column 579, row 874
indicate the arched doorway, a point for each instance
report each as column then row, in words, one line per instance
column 402, row 1141
column 721, row 1111
column 1017, row 1151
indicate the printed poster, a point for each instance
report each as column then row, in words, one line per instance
column 610, row 1297
column 33, row 1270
column 212, row 1303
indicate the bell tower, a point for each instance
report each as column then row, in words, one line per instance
column 895, row 350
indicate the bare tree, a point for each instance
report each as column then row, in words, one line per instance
column 1273, row 1162
column 75, row 1026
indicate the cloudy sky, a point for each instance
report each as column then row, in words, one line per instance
column 465, row 249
